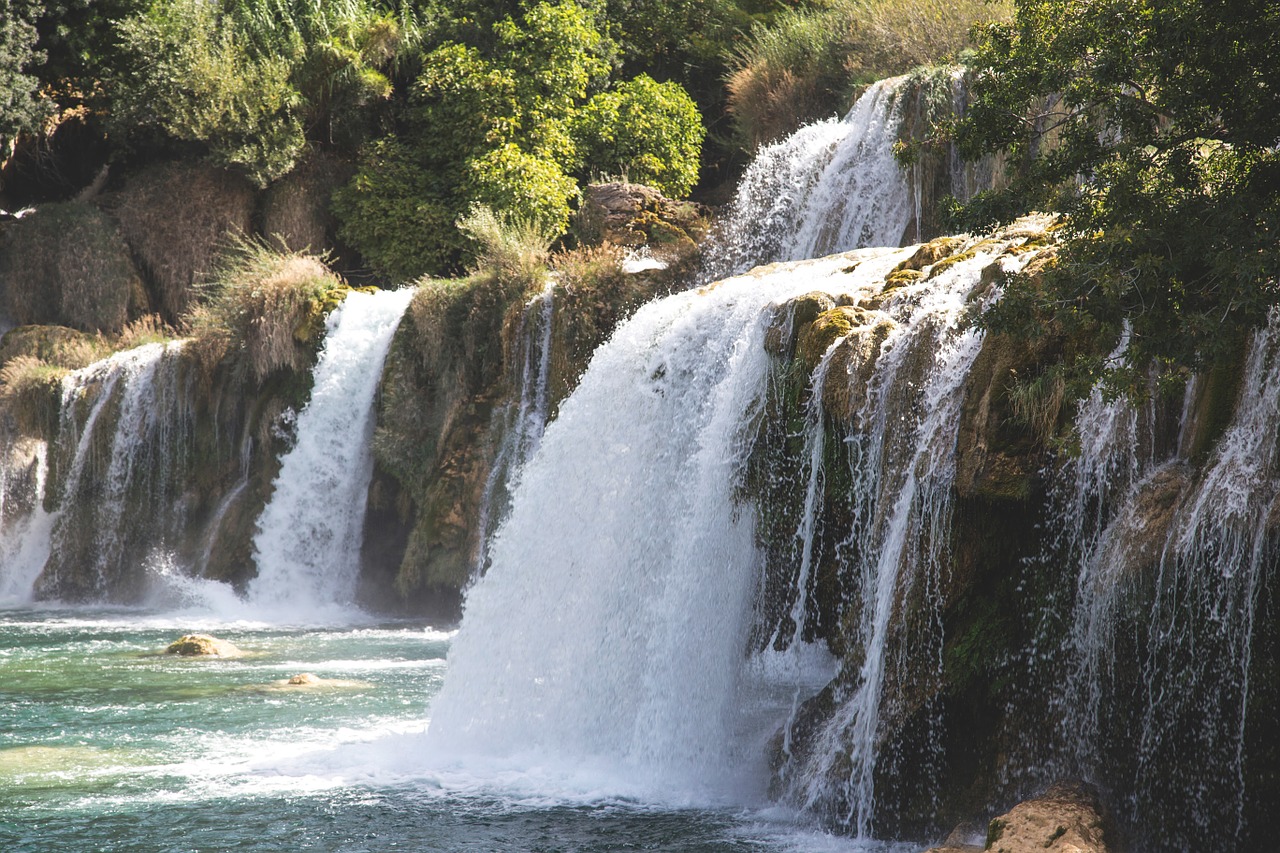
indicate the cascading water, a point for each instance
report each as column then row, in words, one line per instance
column 307, row 546
column 116, row 503
column 612, row 631
column 520, row 422
column 829, row 187
column 903, row 460
column 25, row 527
column 1183, row 560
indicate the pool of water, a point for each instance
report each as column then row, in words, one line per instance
column 107, row 744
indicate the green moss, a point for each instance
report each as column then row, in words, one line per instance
column 817, row 337
column 948, row 262
column 899, row 278
column 995, row 830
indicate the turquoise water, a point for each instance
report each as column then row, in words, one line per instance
column 108, row 745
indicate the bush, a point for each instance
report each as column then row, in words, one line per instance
column 501, row 122
column 649, row 131
column 195, row 76
column 265, row 309
column 808, row 62
column 20, row 108
column 31, row 391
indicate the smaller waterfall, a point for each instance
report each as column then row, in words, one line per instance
column 520, row 423
column 116, row 501
column 307, row 546
column 829, row 187
column 25, row 527
column 903, row 459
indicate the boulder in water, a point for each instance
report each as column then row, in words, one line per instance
column 1067, row 818
column 202, row 645
column 309, row 681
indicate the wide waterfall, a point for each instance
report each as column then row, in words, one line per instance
column 612, row 630
column 308, row 542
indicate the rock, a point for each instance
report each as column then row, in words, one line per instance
column 634, row 215
column 308, row 681
column 202, row 645
column 67, row 264
column 1067, row 818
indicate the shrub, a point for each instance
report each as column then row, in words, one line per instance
column 31, row 391
column 649, row 131
column 808, row 62
column 492, row 123
column 20, row 108
column 265, row 309
column 195, row 76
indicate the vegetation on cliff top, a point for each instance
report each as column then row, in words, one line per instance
column 1152, row 127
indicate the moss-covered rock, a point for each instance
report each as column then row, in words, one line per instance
column 998, row 454
column 177, row 217
column 55, row 345
column 67, row 264
column 635, row 215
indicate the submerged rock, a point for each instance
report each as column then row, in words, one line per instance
column 310, row 681
column 202, row 645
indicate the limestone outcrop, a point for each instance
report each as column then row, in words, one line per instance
column 202, row 645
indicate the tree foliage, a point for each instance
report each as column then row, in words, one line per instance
column 1152, row 126
column 503, row 119
column 19, row 108
column 649, row 131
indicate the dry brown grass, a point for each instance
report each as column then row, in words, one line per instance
column 295, row 209
column 31, row 391
column 265, row 307
column 810, row 62
column 178, row 218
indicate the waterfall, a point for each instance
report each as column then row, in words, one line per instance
column 829, row 187
column 903, row 459
column 611, row 627
column 307, row 545
column 520, row 423
column 26, row 527
column 124, row 434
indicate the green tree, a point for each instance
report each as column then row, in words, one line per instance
column 1152, row 126
column 496, row 121
column 196, row 77
column 20, row 109
column 650, row 131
